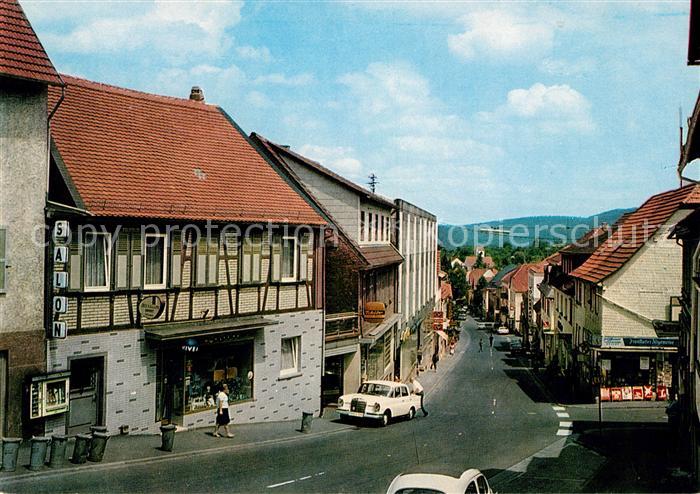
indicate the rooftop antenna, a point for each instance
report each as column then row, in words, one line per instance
column 373, row 182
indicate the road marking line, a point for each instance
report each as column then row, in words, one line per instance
column 565, row 424
column 280, row 484
column 304, row 478
column 562, row 415
column 558, row 409
column 564, row 432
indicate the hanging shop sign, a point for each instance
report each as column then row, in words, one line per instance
column 61, row 231
column 375, row 311
column 151, row 307
column 60, row 305
column 60, row 279
column 60, row 254
column 190, row 345
column 48, row 394
column 58, row 330
column 670, row 342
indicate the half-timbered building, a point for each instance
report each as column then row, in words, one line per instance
column 185, row 263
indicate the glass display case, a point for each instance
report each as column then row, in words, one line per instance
column 48, row 394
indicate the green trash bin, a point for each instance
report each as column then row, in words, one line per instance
column 98, row 444
column 306, row 419
column 167, row 437
column 58, row 451
column 10, row 450
column 81, row 448
column 37, row 456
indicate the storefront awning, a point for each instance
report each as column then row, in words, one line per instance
column 371, row 336
column 190, row 329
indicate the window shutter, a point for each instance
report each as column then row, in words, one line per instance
column 74, row 266
column 122, row 245
column 176, row 268
column 202, row 262
column 135, row 260
column 276, row 258
column 213, row 261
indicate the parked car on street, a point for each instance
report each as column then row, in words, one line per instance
column 470, row 482
column 502, row 330
column 516, row 346
column 379, row 400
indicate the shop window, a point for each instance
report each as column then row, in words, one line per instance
column 96, row 259
column 155, row 260
column 207, row 370
column 291, row 351
column 290, row 258
column 3, row 259
column 252, row 258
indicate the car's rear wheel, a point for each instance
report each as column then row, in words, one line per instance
column 386, row 418
column 411, row 413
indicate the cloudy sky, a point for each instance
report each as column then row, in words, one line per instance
column 472, row 110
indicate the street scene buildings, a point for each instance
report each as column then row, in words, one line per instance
column 165, row 273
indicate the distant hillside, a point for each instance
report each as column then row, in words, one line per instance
column 524, row 231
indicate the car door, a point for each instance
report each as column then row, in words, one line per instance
column 405, row 400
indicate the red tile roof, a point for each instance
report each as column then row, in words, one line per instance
column 21, row 53
column 519, row 278
column 132, row 154
column 474, row 276
column 632, row 233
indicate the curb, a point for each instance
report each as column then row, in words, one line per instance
column 165, row 457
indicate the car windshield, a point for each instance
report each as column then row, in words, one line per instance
column 418, row 490
column 375, row 389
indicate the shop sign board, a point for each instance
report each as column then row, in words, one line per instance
column 639, row 342
column 60, row 279
column 151, row 307
column 60, row 305
column 61, row 231
column 375, row 311
column 58, row 329
column 190, row 345
column 60, row 254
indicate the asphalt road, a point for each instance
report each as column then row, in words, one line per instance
column 487, row 413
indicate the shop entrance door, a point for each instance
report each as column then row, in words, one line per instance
column 3, row 392
column 86, row 394
column 332, row 383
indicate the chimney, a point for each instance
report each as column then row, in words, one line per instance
column 196, row 94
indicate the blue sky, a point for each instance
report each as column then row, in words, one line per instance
column 472, row 110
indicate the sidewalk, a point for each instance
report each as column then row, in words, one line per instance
column 132, row 449
column 137, row 449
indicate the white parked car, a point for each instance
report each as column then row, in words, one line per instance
column 379, row 400
column 502, row 330
column 470, row 482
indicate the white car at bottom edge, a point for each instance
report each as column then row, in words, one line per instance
column 470, row 482
column 379, row 400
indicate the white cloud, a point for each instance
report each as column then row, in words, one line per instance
column 553, row 109
column 216, row 82
column 183, row 30
column 261, row 54
column 304, row 79
column 568, row 68
column 258, row 99
column 339, row 159
column 501, row 34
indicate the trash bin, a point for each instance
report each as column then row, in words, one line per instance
column 58, row 451
column 10, row 450
column 81, row 448
column 98, row 446
column 167, row 436
column 39, row 447
column 306, row 419
column 98, row 428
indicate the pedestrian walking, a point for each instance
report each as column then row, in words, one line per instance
column 491, row 340
column 452, row 347
column 435, row 359
column 222, row 417
column 481, row 345
column 418, row 389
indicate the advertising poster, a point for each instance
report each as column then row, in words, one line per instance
column 604, row 394
column 661, row 393
column 637, row 393
column 643, row 363
column 648, row 392
column 627, row 393
column 616, row 394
